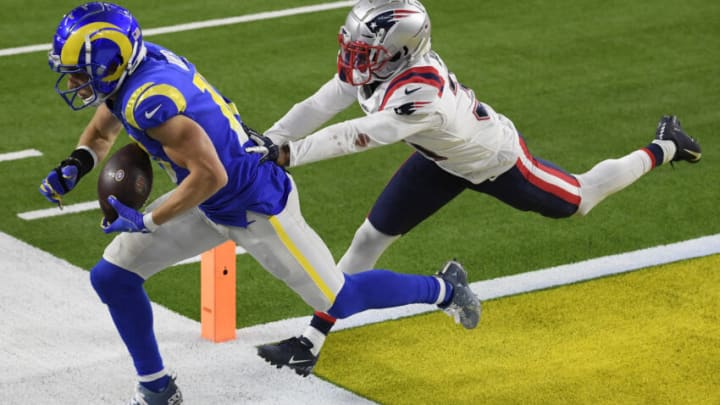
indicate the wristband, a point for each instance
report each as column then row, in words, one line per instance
column 83, row 158
column 149, row 223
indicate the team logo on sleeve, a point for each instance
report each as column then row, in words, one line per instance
column 411, row 107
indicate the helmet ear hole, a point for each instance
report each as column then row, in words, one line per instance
column 112, row 68
column 397, row 56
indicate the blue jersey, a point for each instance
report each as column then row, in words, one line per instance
column 166, row 85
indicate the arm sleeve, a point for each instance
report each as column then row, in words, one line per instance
column 309, row 114
column 383, row 128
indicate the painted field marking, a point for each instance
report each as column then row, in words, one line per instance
column 555, row 277
column 19, row 154
column 203, row 24
column 55, row 211
column 91, row 205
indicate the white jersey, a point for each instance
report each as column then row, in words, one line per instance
column 424, row 105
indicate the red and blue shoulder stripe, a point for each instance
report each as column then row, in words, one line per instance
column 420, row 75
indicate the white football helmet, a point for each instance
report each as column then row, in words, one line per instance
column 381, row 37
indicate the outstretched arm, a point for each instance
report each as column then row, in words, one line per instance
column 356, row 135
column 309, row 114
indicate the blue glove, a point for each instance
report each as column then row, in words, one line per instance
column 128, row 220
column 58, row 182
column 263, row 145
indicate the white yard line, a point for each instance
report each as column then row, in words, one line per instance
column 204, row 24
column 89, row 206
column 19, row 154
column 55, row 211
column 86, row 206
column 196, row 259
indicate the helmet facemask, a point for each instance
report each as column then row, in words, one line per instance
column 358, row 61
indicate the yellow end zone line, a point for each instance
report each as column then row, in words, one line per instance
column 204, row 24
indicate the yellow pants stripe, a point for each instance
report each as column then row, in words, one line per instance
column 297, row 254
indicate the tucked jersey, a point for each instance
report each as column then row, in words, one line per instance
column 424, row 105
column 166, row 85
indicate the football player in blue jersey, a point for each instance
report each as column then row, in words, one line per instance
column 223, row 192
column 386, row 65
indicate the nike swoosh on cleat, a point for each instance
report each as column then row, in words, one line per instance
column 696, row 156
column 149, row 114
column 293, row 361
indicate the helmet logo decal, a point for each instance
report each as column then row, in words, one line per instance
column 71, row 51
column 387, row 20
column 123, row 44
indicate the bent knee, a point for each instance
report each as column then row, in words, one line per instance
column 112, row 282
column 367, row 233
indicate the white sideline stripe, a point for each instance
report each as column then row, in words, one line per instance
column 55, row 211
column 19, row 154
column 556, row 276
column 59, row 344
column 204, row 24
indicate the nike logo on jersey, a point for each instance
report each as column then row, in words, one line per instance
column 411, row 91
column 149, row 114
column 293, row 361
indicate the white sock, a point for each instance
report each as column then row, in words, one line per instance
column 152, row 377
column 668, row 147
column 442, row 292
column 612, row 175
column 316, row 337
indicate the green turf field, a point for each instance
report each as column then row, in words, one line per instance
column 582, row 80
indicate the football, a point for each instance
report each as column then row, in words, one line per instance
column 127, row 175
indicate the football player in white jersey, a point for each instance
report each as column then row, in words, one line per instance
column 385, row 62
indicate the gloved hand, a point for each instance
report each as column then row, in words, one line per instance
column 128, row 220
column 58, row 182
column 263, row 145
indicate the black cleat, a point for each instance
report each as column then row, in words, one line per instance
column 464, row 306
column 171, row 395
column 293, row 352
column 669, row 129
